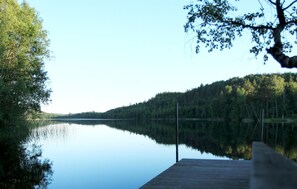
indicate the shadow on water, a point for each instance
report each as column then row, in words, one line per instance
column 21, row 165
column 225, row 139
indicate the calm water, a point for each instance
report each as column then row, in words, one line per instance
column 123, row 154
column 99, row 156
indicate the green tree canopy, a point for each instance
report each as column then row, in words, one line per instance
column 23, row 49
column 217, row 23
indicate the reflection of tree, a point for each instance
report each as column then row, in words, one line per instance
column 231, row 139
column 51, row 131
column 283, row 138
column 218, row 138
column 20, row 167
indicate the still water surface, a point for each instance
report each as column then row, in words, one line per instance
column 96, row 155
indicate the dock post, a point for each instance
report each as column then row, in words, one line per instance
column 176, row 133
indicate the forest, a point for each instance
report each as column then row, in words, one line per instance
column 234, row 99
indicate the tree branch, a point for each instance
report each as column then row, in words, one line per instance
column 277, row 50
column 284, row 60
column 248, row 25
column 271, row 2
column 280, row 13
column 290, row 5
column 280, row 27
column 292, row 22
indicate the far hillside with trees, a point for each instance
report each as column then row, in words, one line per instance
column 234, row 99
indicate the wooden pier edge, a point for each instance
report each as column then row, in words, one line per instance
column 267, row 169
column 271, row 169
column 206, row 174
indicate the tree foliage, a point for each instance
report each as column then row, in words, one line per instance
column 243, row 98
column 23, row 49
column 217, row 23
column 233, row 99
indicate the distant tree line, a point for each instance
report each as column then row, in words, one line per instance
column 233, row 99
column 246, row 97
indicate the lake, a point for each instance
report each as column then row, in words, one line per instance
column 99, row 156
column 126, row 154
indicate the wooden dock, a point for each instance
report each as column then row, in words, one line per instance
column 267, row 169
column 204, row 174
column 271, row 170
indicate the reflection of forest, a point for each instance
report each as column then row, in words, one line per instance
column 209, row 137
column 219, row 138
column 21, row 167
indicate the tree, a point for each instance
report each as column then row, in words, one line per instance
column 23, row 49
column 217, row 23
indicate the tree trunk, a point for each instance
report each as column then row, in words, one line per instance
column 284, row 60
column 277, row 50
column 276, row 108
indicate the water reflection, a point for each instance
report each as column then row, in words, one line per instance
column 282, row 137
column 21, row 165
column 53, row 131
column 107, row 154
column 96, row 155
column 218, row 138
column 110, row 149
column 225, row 139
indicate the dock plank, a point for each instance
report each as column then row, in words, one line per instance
column 271, row 169
column 204, row 174
column 267, row 169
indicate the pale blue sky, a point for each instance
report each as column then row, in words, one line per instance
column 112, row 53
